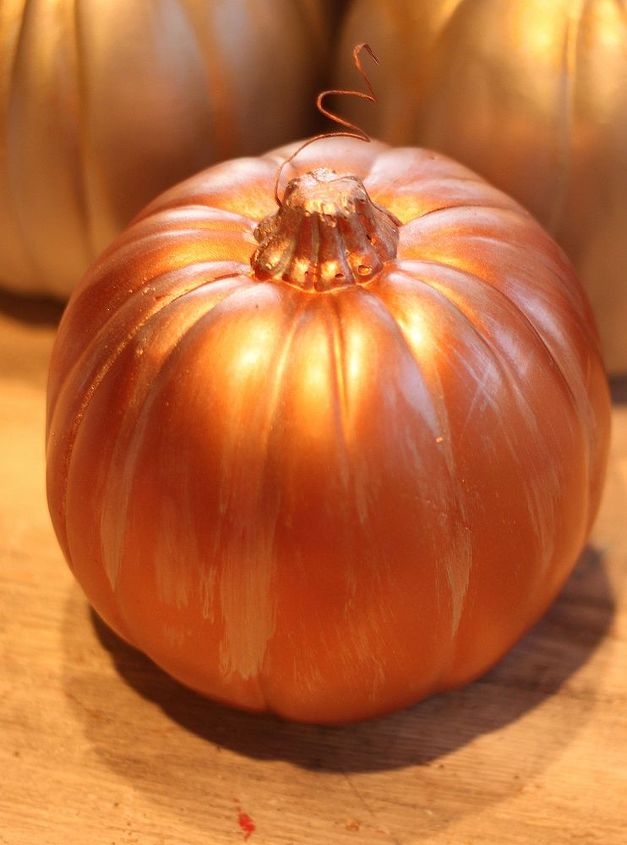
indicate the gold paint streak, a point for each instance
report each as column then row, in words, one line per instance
column 457, row 562
column 246, row 595
column 117, row 501
column 541, row 495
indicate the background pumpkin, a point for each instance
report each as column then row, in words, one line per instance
column 332, row 495
column 530, row 93
column 105, row 104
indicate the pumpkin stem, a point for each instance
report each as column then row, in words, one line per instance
column 351, row 129
column 326, row 234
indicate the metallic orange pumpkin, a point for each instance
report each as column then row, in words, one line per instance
column 105, row 103
column 532, row 94
column 347, row 475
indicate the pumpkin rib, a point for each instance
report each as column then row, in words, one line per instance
column 138, row 296
column 511, row 379
column 223, row 124
column 137, row 429
column 439, row 411
column 139, row 248
column 515, row 306
column 339, row 369
column 496, row 218
column 468, row 207
column 281, row 363
column 195, row 233
column 134, row 447
column 453, row 15
column 566, row 80
column 569, row 293
column 582, row 412
column 208, row 186
column 211, row 220
column 110, row 594
column 89, row 393
column 9, row 131
column 503, row 365
column 80, row 180
column 188, row 208
column 535, row 495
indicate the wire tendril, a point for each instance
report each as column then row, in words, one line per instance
column 350, row 130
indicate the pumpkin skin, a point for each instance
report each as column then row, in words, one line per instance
column 103, row 105
column 327, row 504
column 531, row 95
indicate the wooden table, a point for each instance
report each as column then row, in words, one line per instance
column 100, row 747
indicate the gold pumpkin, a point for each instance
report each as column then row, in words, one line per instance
column 340, row 471
column 104, row 104
column 532, row 94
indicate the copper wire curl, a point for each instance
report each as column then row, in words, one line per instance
column 351, row 130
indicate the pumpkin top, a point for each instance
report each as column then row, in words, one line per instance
column 326, row 234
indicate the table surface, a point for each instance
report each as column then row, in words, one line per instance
column 100, row 747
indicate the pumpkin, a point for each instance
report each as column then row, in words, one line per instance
column 330, row 457
column 529, row 93
column 103, row 105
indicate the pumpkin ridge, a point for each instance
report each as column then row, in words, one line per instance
column 536, row 500
column 222, row 122
column 20, row 47
column 80, row 179
column 281, row 363
column 91, row 390
column 439, row 411
column 519, row 211
column 137, row 296
column 584, row 418
column 339, row 368
column 511, row 304
column 565, row 116
column 113, row 563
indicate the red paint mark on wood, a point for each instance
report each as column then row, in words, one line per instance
column 246, row 824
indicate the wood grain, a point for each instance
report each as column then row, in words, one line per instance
column 100, row 747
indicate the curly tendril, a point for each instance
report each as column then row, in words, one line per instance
column 351, row 130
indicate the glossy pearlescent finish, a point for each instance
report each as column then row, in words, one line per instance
column 105, row 103
column 532, row 94
column 327, row 504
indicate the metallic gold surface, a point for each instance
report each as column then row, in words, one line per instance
column 327, row 504
column 105, row 103
column 532, row 94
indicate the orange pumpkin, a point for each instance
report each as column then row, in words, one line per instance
column 103, row 105
column 529, row 93
column 348, row 474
